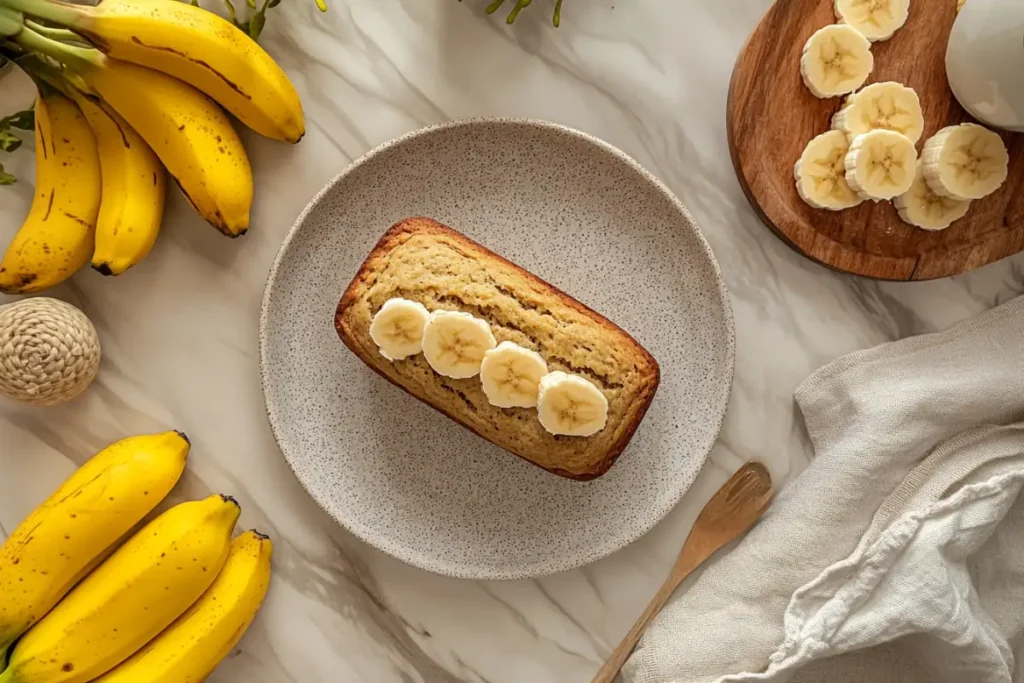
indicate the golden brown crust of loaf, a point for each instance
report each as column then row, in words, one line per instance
column 422, row 260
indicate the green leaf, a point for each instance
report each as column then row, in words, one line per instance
column 274, row 3
column 9, row 142
column 5, row 177
column 256, row 24
column 23, row 120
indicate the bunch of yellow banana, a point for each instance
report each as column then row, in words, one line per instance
column 64, row 537
column 166, row 606
column 146, row 95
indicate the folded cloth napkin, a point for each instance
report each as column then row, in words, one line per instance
column 898, row 554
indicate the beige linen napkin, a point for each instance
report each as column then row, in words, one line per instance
column 898, row 555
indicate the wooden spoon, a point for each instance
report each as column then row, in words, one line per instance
column 729, row 513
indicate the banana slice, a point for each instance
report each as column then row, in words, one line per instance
column 881, row 106
column 965, row 162
column 454, row 343
column 820, row 173
column 571, row 405
column 924, row 209
column 511, row 375
column 836, row 60
column 881, row 164
column 397, row 329
column 876, row 19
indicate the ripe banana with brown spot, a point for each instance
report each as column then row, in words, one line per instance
column 135, row 594
column 193, row 45
column 190, row 134
column 57, row 237
column 66, row 535
column 192, row 647
column 134, row 186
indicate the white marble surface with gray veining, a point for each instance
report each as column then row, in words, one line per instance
column 179, row 331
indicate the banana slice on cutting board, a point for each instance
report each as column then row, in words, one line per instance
column 836, row 60
column 820, row 173
column 876, row 19
column 397, row 329
column 965, row 162
column 511, row 374
column 454, row 343
column 921, row 207
column 881, row 164
column 571, row 405
column 881, row 106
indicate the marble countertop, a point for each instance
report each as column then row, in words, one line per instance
column 179, row 331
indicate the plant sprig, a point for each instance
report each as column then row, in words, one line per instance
column 23, row 120
column 253, row 26
column 519, row 6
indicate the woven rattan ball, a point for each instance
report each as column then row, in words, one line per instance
column 49, row 351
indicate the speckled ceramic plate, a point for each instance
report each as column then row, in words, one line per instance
column 581, row 215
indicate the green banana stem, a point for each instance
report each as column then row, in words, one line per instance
column 11, row 21
column 56, row 12
column 62, row 34
column 62, row 52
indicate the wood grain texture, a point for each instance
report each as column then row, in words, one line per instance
column 772, row 116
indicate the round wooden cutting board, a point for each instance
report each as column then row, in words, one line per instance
column 772, row 116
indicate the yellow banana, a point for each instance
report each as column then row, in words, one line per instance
column 134, row 185
column 65, row 536
column 191, row 648
column 191, row 135
column 193, row 45
column 136, row 593
column 57, row 237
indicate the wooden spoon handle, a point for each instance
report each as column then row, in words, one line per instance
column 684, row 567
column 726, row 517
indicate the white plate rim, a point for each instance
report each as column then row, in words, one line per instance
column 540, row 568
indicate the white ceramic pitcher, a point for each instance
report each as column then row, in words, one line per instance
column 985, row 61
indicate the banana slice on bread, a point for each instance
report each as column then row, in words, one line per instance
column 875, row 19
column 836, row 60
column 965, row 162
column 571, row 405
column 881, row 106
column 397, row 329
column 510, row 375
column 881, row 164
column 454, row 343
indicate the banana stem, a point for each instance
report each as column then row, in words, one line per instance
column 62, row 34
column 57, row 12
column 11, row 21
column 61, row 52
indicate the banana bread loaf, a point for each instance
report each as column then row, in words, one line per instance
column 422, row 261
